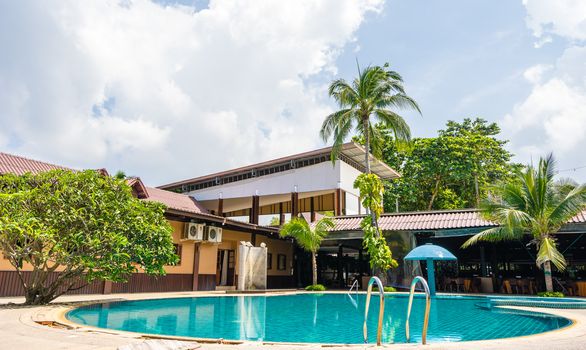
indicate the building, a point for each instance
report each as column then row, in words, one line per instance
column 303, row 183
column 203, row 266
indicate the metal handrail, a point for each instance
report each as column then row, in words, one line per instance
column 352, row 287
column 427, row 307
column 381, row 310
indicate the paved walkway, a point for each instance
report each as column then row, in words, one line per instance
column 20, row 329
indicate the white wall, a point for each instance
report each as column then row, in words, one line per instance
column 319, row 177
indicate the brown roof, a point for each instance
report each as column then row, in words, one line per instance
column 18, row 165
column 175, row 200
column 431, row 220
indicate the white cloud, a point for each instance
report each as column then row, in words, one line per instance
column 168, row 92
column 535, row 73
column 566, row 18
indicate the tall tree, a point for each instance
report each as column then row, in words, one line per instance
column 61, row 230
column 372, row 96
column 450, row 171
column 530, row 205
column 308, row 237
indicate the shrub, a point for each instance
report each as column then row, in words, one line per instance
column 315, row 287
column 388, row 289
column 551, row 294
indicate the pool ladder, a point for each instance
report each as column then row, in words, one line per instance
column 427, row 307
column 381, row 311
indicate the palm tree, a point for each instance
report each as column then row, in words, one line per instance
column 309, row 237
column 529, row 204
column 371, row 95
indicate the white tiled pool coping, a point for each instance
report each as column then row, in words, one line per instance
column 19, row 329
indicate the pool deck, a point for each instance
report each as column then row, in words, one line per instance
column 21, row 328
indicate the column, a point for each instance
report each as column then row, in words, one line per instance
column 338, row 202
column 281, row 214
column 312, row 209
column 254, row 210
column 341, row 265
column 195, row 280
column 294, row 204
column 221, row 206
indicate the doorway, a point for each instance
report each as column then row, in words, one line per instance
column 225, row 267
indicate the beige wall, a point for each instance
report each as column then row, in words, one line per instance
column 275, row 247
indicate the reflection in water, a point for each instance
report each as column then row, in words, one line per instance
column 252, row 317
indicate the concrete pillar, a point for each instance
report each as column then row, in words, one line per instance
column 312, row 209
column 221, row 207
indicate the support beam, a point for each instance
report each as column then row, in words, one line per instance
column 312, row 209
column 195, row 280
column 255, row 210
column 281, row 214
column 341, row 265
column 221, row 207
column 294, row 204
column 338, row 202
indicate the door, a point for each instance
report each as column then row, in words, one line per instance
column 225, row 267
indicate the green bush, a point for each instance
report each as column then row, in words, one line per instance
column 388, row 289
column 316, row 288
column 551, row 294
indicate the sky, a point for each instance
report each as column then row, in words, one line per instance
column 169, row 90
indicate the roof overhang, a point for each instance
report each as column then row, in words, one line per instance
column 357, row 154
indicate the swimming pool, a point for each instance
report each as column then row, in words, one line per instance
column 314, row 318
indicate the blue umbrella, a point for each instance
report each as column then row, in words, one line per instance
column 430, row 252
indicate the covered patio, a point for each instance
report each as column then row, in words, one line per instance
column 505, row 267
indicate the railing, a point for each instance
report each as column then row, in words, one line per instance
column 427, row 307
column 381, row 310
column 352, row 287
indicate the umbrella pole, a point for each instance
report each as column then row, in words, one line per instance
column 431, row 277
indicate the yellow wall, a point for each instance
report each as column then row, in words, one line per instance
column 186, row 264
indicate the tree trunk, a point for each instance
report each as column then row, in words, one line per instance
column 477, row 190
column 314, row 268
column 548, row 279
column 366, row 143
column 434, row 193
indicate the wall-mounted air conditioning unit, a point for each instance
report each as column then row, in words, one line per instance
column 193, row 232
column 213, row 234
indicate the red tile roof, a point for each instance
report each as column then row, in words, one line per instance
column 175, row 201
column 20, row 165
column 432, row 220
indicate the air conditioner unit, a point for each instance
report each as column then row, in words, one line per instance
column 193, row 232
column 213, row 234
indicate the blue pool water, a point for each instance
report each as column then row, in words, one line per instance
column 314, row 318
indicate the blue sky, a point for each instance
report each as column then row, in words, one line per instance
column 198, row 86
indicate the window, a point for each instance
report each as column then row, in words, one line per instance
column 281, row 262
column 269, row 261
column 178, row 252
